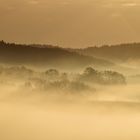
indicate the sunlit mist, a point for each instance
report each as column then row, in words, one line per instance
column 69, row 69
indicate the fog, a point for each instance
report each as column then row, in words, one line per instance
column 102, row 112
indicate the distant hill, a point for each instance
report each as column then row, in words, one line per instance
column 122, row 52
column 46, row 56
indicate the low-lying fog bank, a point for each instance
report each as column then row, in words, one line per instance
column 39, row 117
column 59, row 106
column 34, row 123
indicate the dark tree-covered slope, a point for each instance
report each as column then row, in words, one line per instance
column 46, row 55
column 122, row 52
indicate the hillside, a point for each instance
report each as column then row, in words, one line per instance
column 46, row 56
column 122, row 52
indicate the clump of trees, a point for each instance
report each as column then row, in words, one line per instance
column 102, row 77
column 111, row 77
column 52, row 74
column 52, row 79
column 16, row 72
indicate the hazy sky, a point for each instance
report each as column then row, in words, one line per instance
column 70, row 23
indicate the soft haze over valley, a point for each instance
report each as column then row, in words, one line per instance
column 69, row 70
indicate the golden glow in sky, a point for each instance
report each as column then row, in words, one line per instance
column 70, row 23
